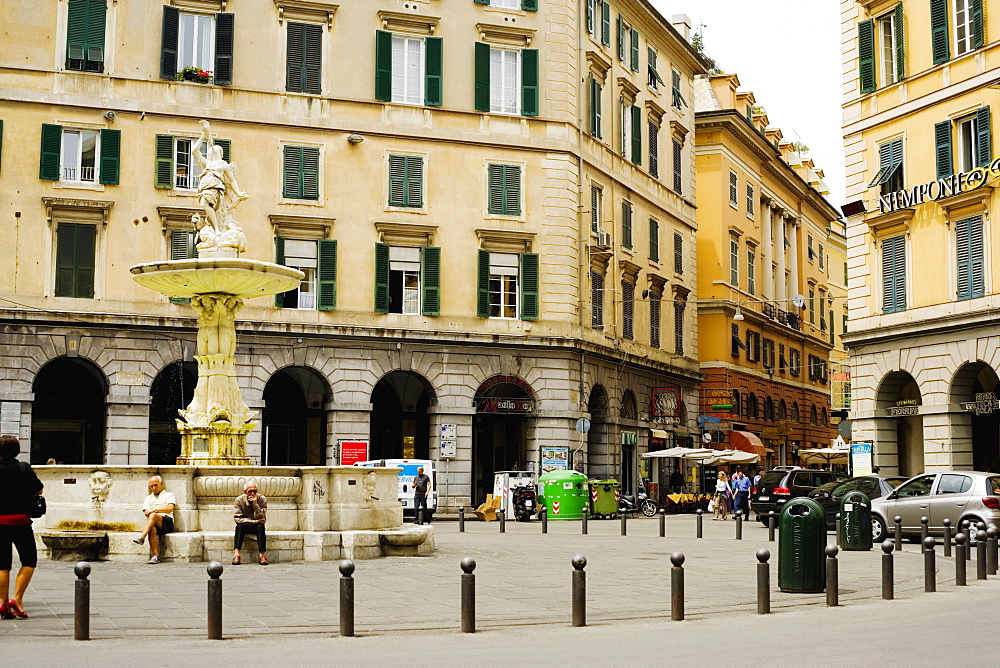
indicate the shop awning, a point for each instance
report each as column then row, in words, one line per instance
column 683, row 453
column 747, row 442
column 658, row 433
column 731, row 457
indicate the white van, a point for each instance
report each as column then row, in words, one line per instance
column 408, row 471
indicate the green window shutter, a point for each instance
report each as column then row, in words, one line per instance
column 635, row 51
column 381, row 278
column 406, row 175
column 310, row 172
column 50, row 153
column 621, row 39
column 397, row 180
column 529, row 286
column 292, row 163
column 512, row 190
column 591, row 8
column 495, row 178
column 85, row 24
column 636, row 135
column 529, row 5
column 66, row 260
column 110, row 156
column 978, row 30
column 482, row 2
column 168, row 42
column 893, row 275
column 626, row 225
column 164, row 169
column 414, row 181
column 226, row 148
column 678, row 254
column 939, row 31
column 383, row 65
column 482, row 76
column 984, row 150
column 76, row 32
column 942, row 148
column 654, row 240
column 279, row 258
column 433, row 64
column 96, row 19
column 962, row 257
column 326, row 274
column 86, row 245
column 866, row 56
column 897, row 25
column 224, row 24
column 977, row 277
column 303, row 73
column 295, row 67
column 594, row 112
column 605, row 23
column 182, row 247
column 483, row 285
column 430, row 276
column 529, row 82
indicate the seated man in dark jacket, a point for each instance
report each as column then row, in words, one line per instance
column 250, row 516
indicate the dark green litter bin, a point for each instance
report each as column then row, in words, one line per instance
column 855, row 522
column 801, row 544
column 604, row 497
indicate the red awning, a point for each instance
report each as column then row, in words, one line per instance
column 747, row 442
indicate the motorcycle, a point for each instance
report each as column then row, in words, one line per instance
column 525, row 502
column 630, row 504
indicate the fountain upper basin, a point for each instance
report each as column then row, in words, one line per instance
column 231, row 276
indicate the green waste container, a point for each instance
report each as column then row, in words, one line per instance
column 801, row 544
column 604, row 497
column 564, row 494
column 855, row 522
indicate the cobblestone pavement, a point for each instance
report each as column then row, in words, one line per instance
column 522, row 577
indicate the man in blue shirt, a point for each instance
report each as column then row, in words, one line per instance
column 741, row 502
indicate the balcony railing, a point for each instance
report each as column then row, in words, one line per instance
column 74, row 173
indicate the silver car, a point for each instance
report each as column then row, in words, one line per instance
column 956, row 495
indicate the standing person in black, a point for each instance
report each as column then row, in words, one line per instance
column 18, row 484
column 677, row 481
column 421, row 488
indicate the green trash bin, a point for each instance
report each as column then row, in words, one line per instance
column 801, row 544
column 604, row 497
column 564, row 494
column 855, row 522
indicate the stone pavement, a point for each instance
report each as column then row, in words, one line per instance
column 522, row 577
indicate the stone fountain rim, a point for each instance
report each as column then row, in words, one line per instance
column 259, row 266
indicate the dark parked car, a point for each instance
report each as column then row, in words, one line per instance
column 830, row 494
column 779, row 486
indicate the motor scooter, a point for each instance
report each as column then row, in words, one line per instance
column 630, row 504
column 525, row 502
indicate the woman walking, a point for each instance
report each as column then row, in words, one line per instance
column 19, row 484
column 721, row 496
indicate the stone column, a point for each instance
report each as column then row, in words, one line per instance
column 346, row 422
column 780, row 292
column 959, row 434
column 793, row 287
column 766, row 252
column 127, row 429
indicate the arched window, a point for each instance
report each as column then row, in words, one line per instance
column 752, row 407
column 628, row 410
column 782, row 410
column 823, row 418
column 795, row 412
column 769, row 409
column 813, row 417
column 737, row 404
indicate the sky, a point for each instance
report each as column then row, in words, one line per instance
column 788, row 53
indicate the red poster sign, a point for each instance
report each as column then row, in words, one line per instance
column 353, row 451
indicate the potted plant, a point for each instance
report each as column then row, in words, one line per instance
column 195, row 74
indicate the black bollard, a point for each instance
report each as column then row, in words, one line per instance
column 468, row 595
column 579, row 590
column 763, row 582
column 739, row 527
column 967, row 530
column 663, row 522
column 503, row 521
column 832, row 585
column 215, row 601
column 81, row 602
column 623, row 516
column 699, row 522
column 960, row 559
column 420, row 516
column 771, row 521
column 836, row 528
column 888, row 592
column 991, row 550
column 930, row 581
column 923, row 529
column 545, row 520
column 583, row 522
column 899, row 533
column 461, row 519
column 980, row 555
column 346, row 598
column 677, row 586
column 947, row 536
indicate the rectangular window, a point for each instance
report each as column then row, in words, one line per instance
column 654, row 150
column 678, row 174
column 406, row 180
column 653, row 75
column 635, row 51
column 505, row 81
column 654, row 320
column 503, row 285
column 76, row 247
column 196, row 41
column 782, row 362
column 678, row 253
column 505, row 4
column 753, row 346
column 810, row 253
column 735, row 343
column 794, row 361
column 887, row 49
column 968, row 133
column 626, row 224
column 626, row 123
column 890, row 174
column 769, row 354
column 79, row 152
column 305, row 58
column 85, row 24
column 592, row 18
column 734, row 193
column 751, row 271
column 894, row 274
column 819, row 251
column 408, row 70
column 404, row 280
column 750, row 199
column 596, row 91
column 185, row 171
column 812, row 306
column 654, row 240
column 628, row 304
column 679, row 327
column 734, row 262
column 505, row 190
column 881, row 50
column 597, row 299
column 301, row 172
column 596, row 202
column 969, row 254
column 963, row 26
column 317, row 260
column 676, row 99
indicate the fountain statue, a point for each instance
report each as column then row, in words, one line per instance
column 215, row 425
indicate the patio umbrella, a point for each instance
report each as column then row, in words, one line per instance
column 825, row 455
column 683, row 453
column 731, row 457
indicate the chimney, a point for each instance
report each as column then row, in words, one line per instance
column 683, row 25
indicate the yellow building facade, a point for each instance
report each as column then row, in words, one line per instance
column 770, row 267
column 493, row 206
column 920, row 94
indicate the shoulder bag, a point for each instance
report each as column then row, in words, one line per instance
column 36, row 506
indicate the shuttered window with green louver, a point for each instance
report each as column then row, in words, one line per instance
column 505, row 190
column 305, row 57
column 406, row 180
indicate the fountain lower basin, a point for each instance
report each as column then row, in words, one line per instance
column 231, row 276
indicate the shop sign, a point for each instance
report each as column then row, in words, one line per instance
column 713, row 423
column 504, row 405
column 938, row 190
column 985, row 404
column 666, row 402
column 554, row 458
column 353, row 451
column 667, row 420
column 775, row 433
column 630, row 438
column 861, row 459
column 903, row 407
